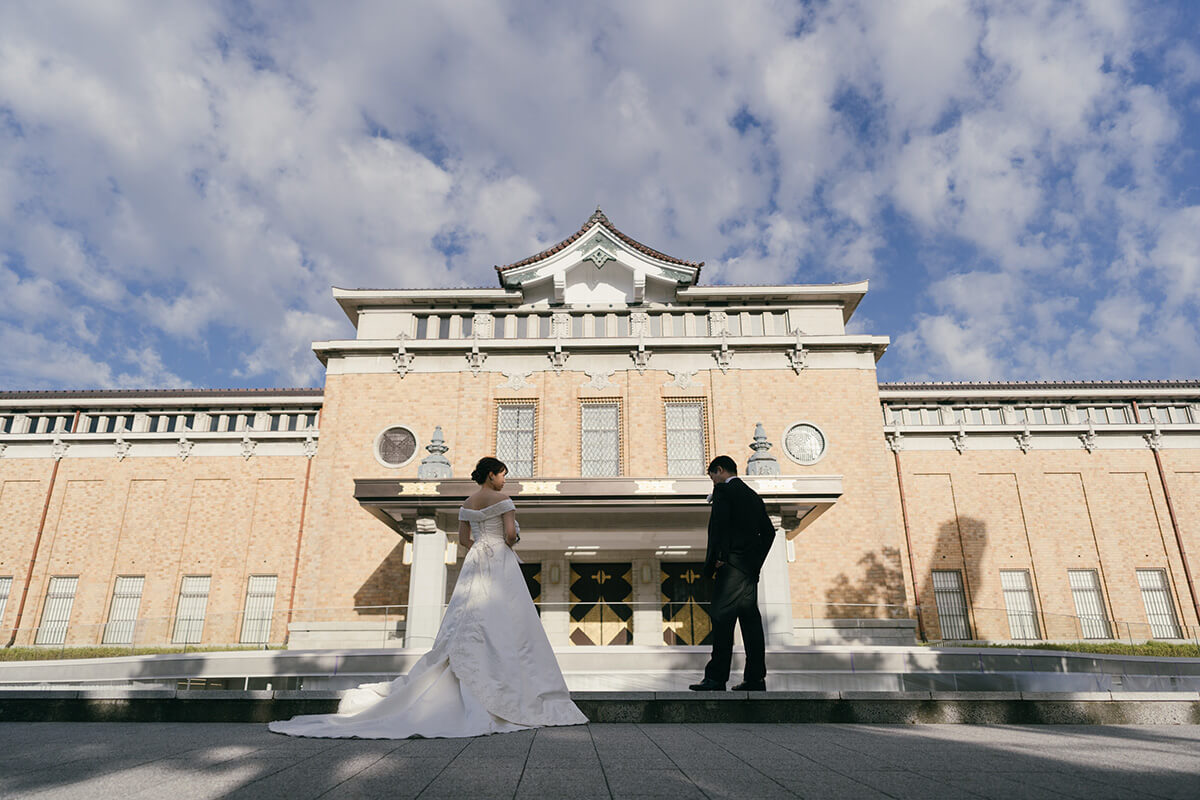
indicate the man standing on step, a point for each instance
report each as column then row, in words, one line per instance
column 739, row 537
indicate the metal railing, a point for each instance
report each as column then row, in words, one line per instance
column 386, row 625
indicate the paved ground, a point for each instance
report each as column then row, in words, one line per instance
column 180, row 761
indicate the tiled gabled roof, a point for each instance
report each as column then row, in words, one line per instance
column 598, row 216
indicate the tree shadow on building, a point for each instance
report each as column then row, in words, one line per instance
column 959, row 547
column 879, row 587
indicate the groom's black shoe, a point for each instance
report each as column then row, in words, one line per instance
column 751, row 686
column 707, row 685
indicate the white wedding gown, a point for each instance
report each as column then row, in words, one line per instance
column 491, row 668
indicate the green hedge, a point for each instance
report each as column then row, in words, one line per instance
column 1155, row 649
column 60, row 653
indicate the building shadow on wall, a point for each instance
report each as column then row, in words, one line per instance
column 386, row 586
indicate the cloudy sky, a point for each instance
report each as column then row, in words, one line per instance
column 181, row 183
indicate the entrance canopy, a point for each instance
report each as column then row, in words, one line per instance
column 608, row 513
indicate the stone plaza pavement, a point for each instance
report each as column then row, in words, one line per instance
column 201, row 760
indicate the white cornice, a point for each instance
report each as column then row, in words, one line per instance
column 942, row 395
column 326, row 349
column 354, row 300
column 847, row 295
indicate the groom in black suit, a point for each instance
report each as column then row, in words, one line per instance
column 739, row 536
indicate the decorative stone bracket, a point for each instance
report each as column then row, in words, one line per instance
column 185, row 448
column 248, row 447
column 1088, row 438
column 798, row 356
column 402, row 359
column 640, row 356
column 558, row 358
column 895, row 441
column 959, row 440
column 1154, row 439
column 310, row 446
column 1025, row 439
column 122, row 448
column 475, row 358
column 723, row 354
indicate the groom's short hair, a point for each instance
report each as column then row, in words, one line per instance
column 723, row 462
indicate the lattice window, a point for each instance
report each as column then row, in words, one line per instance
column 56, row 613
column 1019, row 603
column 260, row 606
column 600, row 439
column 951, row 604
column 193, row 604
column 5, row 589
column 685, row 438
column 122, row 614
column 1160, row 609
column 1089, row 604
column 515, row 437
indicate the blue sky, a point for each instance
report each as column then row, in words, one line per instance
column 180, row 184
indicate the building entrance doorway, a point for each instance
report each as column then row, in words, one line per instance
column 600, row 597
column 686, row 595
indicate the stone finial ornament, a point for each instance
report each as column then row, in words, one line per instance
column 435, row 465
column 762, row 462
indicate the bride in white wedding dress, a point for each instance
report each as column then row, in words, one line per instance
column 491, row 668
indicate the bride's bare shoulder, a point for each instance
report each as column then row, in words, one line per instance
column 484, row 499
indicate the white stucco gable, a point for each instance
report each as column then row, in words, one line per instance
column 599, row 265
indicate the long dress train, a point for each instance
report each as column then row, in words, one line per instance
column 491, row 668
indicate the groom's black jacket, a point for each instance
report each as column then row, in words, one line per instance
column 739, row 531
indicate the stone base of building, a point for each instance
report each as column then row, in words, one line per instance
column 854, row 631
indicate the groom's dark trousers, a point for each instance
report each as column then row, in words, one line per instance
column 739, row 536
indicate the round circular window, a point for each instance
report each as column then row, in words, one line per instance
column 396, row 446
column 804, row 443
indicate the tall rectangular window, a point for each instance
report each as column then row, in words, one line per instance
column 193, row 604
column 260, row 606
column 600, row 439
column 56, row 613
column 122, row 614
column 1160, row 609
column 685, row 439
column 951, row 604
column 5, row 589
column 1020, row 604
column 515, row 437
column 1089, row 603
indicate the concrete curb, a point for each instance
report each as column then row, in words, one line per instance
column 975, row 708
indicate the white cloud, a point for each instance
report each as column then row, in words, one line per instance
column 171, row 177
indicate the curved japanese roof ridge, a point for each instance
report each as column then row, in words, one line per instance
column 1120, row 384
column 598, row 216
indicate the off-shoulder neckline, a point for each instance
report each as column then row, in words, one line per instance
column 487, row 508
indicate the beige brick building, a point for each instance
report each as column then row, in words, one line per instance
column 606, row 377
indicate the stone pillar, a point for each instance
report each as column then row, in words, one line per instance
column 556, row 618
column 426, row 584
column 647, row 611
column 775, row 591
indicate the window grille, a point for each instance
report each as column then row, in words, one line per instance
column 1108, row 415
column 1160, row 610
column 5, row 589
column 515, row 437
column 1171, row 414
column 8, row 423
column 951, row 604
column 1089, row 603
column 1020, row 604
column 260, row 606
column 56, row 613
column 193, row 603
column 122, row 614
column 685, row 439
column 49, row 423
column 600, row 445
column 109, row 423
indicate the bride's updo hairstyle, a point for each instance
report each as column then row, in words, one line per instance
column 487, row 466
